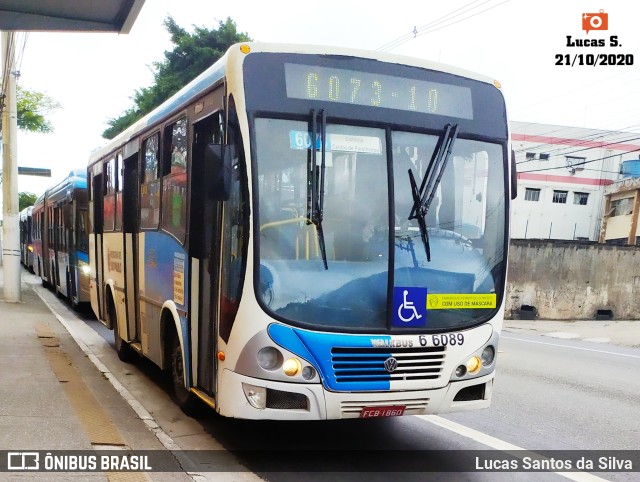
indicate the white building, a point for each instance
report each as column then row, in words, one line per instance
column 562, row 172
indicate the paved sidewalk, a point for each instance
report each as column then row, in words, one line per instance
column 34, row 411
column 53, row 398
column 614, row 332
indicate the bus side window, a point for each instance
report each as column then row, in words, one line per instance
column 118, row 207
column 150, row 187
column 174, row 182
column 110, row 194
column 236, row 226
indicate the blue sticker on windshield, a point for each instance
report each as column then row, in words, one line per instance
column 302, row 140
column 409, row 306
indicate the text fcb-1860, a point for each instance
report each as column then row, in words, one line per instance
column 387, row 411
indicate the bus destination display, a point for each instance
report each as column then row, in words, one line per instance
column 377, row 90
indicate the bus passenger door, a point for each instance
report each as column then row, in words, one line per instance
column 57, row 248
column 65, row 255
column 205, row 248
column 130, row 225
column 98, row 226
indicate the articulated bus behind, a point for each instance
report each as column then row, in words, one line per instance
column 307, row 233
column 61, row 242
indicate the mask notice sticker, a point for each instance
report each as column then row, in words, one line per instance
column 461, row 301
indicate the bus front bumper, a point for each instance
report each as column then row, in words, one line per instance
column 296, row 401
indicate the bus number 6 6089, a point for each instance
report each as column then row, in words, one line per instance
column 443, row 339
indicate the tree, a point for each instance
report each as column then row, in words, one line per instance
column 192, row 54
column 26, row 199
column 32, row 108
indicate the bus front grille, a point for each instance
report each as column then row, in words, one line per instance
column 279, row 400
column 372, row 364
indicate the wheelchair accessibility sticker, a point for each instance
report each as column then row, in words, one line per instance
column 409, row 306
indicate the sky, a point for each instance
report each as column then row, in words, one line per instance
column 522, row 43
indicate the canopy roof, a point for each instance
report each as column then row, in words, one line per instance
column 69, row 15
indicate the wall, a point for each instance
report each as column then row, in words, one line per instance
column 567, row 280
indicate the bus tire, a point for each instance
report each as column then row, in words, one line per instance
column 124, row 351
column 186, row 400
column 71, row 293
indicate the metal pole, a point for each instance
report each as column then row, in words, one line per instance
column 10, row 204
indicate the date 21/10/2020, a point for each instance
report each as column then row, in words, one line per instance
column 571, row 60
column 593, row 59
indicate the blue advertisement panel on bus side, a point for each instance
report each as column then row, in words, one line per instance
column 166, row 269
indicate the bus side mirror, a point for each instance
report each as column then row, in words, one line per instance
column 514, row 176
column 217, row 161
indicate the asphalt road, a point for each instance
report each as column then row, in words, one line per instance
column 549, row 395
column 563, row 395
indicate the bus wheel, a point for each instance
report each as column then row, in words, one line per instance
column 124, row 351
column 186, row 400
column 71, row 294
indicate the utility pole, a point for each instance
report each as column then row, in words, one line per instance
column 10, row 204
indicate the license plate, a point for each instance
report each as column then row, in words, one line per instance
column 387, row 411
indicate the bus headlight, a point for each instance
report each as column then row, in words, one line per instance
column 478, row 363
column 291, row 367
column 461, row 371
column 308, row 373
column 269, row 358
column 85, row 268
column 256, row 396
column 488, row 355
column 474, row 364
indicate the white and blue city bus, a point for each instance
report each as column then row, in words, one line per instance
column 60, row 236
column 310, row 233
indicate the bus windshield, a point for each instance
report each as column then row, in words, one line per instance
column 372, row 246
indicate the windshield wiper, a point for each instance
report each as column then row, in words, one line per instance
column 422, row 197
column 316, row 199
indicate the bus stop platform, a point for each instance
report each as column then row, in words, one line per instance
column 52, row 398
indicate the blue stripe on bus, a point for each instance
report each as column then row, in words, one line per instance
column 84, row 257
column 315, row 347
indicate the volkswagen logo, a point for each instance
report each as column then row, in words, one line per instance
column 390, row 364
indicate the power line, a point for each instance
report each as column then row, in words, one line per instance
column 577, row 164
column 602, row 146
column 20, row 56
column 428, row 28
column 408, row 36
